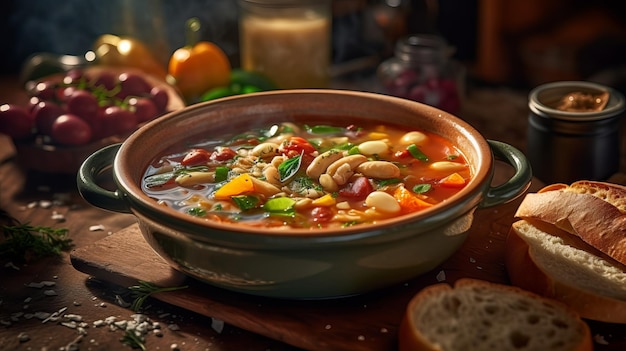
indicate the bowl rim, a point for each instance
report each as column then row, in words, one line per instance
column 466, row 199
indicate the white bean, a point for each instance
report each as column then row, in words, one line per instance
column 379, row 169
column 321, row 163
column 447, row 166
column 373, row 147
column 383, row 202
column 264, row 150
column 417, row 138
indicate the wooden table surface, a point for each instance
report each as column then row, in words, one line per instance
column 36, row 197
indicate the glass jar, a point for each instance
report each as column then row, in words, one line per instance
column 566, row 146
column 289, row 41
column 421, row 70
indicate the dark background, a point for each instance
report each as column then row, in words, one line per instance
column 510, row 42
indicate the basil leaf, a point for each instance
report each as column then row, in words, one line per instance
column 421, row 188
column 282, row 206
column 417, row 153
column 245, row 202
column 323, row 129
column 290, row 167
column 385, row 182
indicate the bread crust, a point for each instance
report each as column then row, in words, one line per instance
column 589, row 210
column 410, row 337
column 526, row 272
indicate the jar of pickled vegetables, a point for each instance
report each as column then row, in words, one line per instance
column 422, row 70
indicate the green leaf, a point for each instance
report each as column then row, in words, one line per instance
column 385, row 182
column 289, row 168
column 323, row 129
column 144, row 289
column 421, row 188
column 245, row 202
column 197, row 211
column 417, row 153
column 280, row 206
column 354, row 150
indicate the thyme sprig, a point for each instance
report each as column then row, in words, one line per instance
column 24, row 241
column 133, row 340
column 144, row 290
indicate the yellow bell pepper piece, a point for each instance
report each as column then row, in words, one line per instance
column 325, row 201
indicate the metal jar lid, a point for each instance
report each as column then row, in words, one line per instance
column 543, row 100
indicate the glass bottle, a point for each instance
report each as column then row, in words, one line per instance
column 289, row 41
column 421, row 70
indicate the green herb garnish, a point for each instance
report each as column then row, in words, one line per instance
column 133, row 340
column 323, row 129
column 197, row 211
column 162, row 178
column 144, row 289
column 24, row 240
column 421, row 188
column 245, row 202
column 385, row 182
column 289, row 168
column 417, row 153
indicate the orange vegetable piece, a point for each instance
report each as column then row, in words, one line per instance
column 239, row 185
column 408, row 201
column 199, row 66
column 454, row 180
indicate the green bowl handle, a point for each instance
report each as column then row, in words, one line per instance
column 88, row 188
column 517, row 184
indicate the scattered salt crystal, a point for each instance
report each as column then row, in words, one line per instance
column 120, row 301
column 95, row 228
column 441, row 276
column 74, row 317
column 472, row 260
column 23, row 337
column 71, row 324
column 157, row 332
column 32, row 204
column 384, row 330
column 35, row 285
column 11, row 265
column 48, row 283
column 50, row 292
column 479, row 267
column 328, row 326
column 174, row 347
column 56, row 216
column 217, row 325
column 28, row 299
column 45, row 204
column 361, row 338
column 173, row 327
column 599, row 339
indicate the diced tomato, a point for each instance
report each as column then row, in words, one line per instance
column 402, row 154
column 223, row 154
column 321, row 214
column 196, row 157
column 295, row 146
column 357, row 190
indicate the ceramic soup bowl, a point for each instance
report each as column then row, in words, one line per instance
column 301, row 263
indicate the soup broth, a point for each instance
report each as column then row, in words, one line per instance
column 309, row 176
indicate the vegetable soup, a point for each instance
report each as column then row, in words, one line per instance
column 309, row 176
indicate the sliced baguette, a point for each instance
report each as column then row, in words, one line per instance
column 593, row 211
column 478, row 315
column 555, row 264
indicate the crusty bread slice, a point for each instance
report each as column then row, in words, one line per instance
column 552, row 263
column 478, row 315
column 593, row 211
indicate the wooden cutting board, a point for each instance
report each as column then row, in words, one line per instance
column 367, row 322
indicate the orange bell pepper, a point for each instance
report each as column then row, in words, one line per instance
column 198, row 66
column 408, row 201
column 454, row 180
